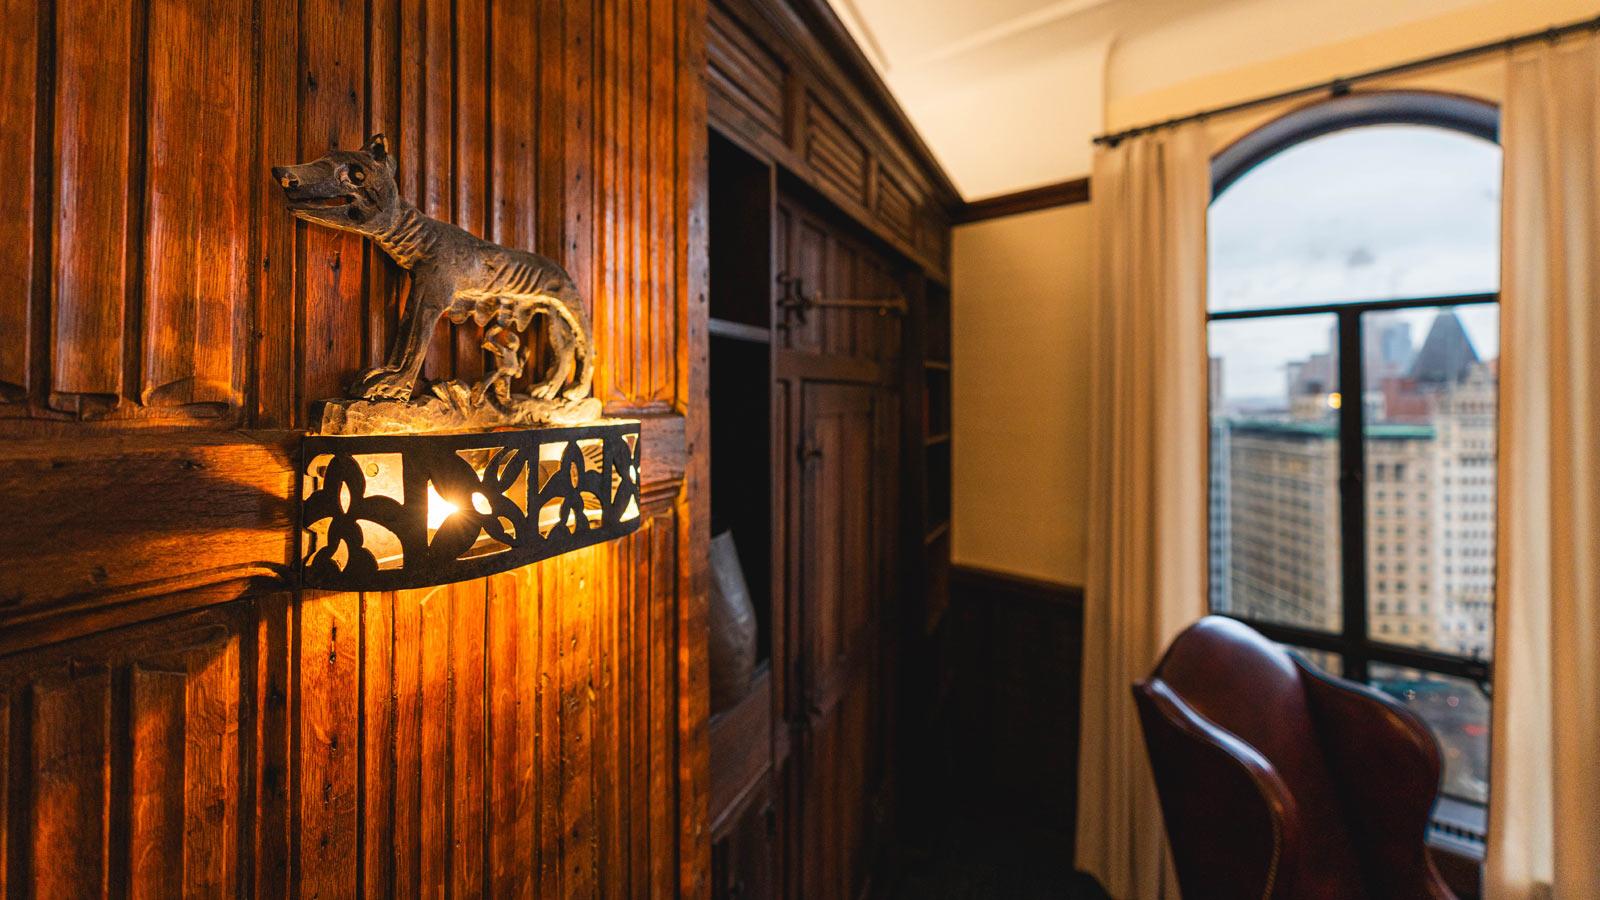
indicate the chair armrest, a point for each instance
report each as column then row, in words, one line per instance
column 1386, row 763
column 1231, row 822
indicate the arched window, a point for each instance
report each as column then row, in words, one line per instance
column 1354, row 252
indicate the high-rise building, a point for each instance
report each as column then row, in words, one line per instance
column 1430, row 458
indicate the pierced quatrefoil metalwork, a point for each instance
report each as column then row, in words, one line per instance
column 385, row 512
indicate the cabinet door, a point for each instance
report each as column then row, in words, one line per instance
column 744, row 862
column 839, row 552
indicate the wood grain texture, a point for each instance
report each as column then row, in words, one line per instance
column 19, row 28
column 95, row 90
column 175, row 719
column 196, row 293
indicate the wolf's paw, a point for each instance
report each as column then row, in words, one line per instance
column 382, row 384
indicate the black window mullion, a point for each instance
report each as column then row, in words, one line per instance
column 1352, row 494
column 1353, row 643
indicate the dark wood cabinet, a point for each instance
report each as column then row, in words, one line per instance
column 829, row 236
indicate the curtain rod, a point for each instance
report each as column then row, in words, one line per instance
column 1340, row 86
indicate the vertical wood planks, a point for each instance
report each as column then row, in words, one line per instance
column 378, row 709
column 198, row 230
column 511, row 622
column 408, row 700
column 279, row 316
column 211, row 766
column 19, row 29
column 156, row 834
column 71, row 787
column 332, row 84
column 467, row 739
column 386, row 73
column 436, row 161
column 329, row 645
column 470, row 152
column 94, row 92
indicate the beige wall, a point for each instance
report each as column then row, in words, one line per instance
column 1022, row 296
column 1018, row 393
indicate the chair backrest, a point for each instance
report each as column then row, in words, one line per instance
column 1239, row 682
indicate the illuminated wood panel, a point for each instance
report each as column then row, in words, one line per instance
column 175, row 718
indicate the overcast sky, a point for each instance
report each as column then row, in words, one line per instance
column 1368, row 213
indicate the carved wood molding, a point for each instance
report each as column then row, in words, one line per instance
column 101, row 522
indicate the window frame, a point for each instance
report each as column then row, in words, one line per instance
column 1353, row 644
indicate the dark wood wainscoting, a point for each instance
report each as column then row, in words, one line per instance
column 1017, row 657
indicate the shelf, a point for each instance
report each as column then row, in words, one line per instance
column 934, row 440
column 739, row 331
column 938, row 364
column 938, row 531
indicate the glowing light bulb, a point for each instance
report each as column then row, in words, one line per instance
column 439, row 509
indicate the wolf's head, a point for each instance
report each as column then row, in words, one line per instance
column 352, row 190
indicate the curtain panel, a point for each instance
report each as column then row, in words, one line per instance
column 1544, row 815
column 1146, row 578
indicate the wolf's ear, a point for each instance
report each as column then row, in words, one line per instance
column 377, row 147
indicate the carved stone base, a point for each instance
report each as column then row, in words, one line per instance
column 450, row 408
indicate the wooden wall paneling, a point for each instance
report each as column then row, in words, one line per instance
column 512, row 686
column 381, row 740
column 196, row 297
column 19, row 103
column 471, row 58
column 386, row 77
column 379, row 718
column 70, row 787
column 327, row 758
column 435, row 161
column 833, row 152
column 93, row 160
column 269, row 865
column 580, row 850
column 679, row 760
column 746, row 73
column 789, row 46
column 1018, row 652
column 128, row 762
column 332, row 114
column 406, row 803
column 688, row 542
column 94, row 521
column 279, row 316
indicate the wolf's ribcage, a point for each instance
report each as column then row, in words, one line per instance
column 517, row 290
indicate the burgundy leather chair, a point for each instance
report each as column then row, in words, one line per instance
column 1278, row 781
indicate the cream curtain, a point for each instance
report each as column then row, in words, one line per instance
column 1544, row 816
column 1146, row 576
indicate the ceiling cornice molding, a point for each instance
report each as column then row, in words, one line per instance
column 1049, row 196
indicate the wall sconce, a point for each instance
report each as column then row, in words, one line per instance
column 384, row 512
column 467, row 479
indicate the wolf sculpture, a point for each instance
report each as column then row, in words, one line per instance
column 454, row 274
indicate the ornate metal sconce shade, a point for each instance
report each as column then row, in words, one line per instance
column 383, row 512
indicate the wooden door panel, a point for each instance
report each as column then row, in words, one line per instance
column 839, row 778
column 837, row 529
column 832, row 261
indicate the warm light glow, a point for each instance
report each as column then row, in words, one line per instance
column 439, row 509
column 1335, row 400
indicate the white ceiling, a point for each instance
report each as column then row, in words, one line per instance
column 1007, row 93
